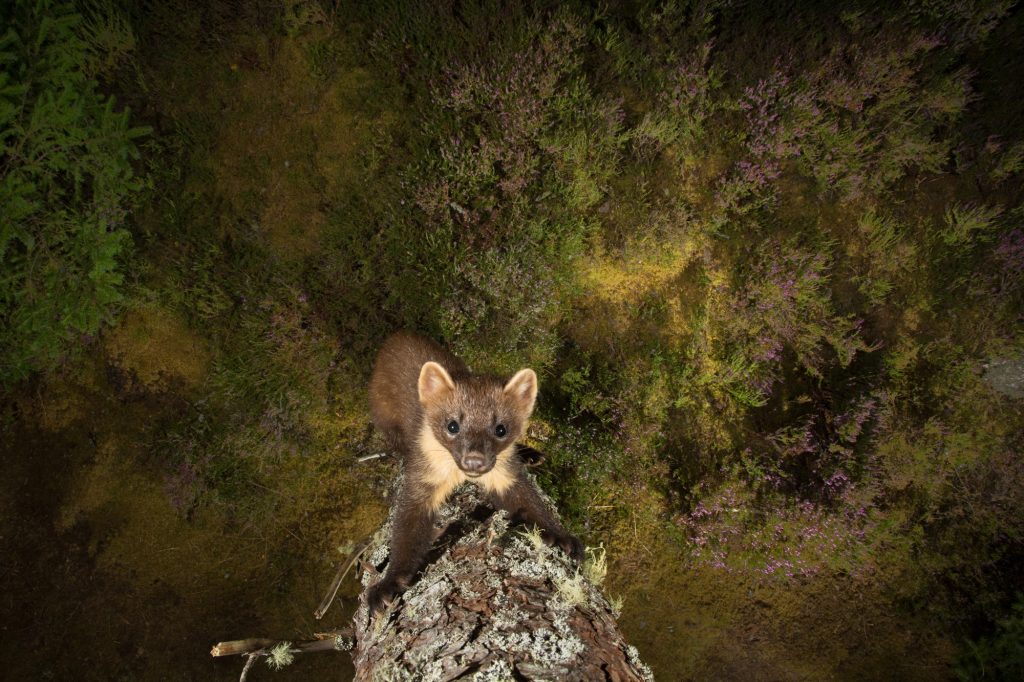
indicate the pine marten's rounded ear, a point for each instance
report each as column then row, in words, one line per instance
column 522, row 388
column 434, row 383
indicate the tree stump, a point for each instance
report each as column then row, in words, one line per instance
column 493, row 603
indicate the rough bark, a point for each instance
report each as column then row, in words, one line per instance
column 492, row 603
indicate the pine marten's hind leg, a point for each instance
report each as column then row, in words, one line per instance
column 412, row 534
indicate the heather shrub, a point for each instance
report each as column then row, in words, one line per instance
column 517, row 190
column 860, row 119
column 300, row 14
column 860, row 487
column 271, row 395
column 280, row 338
column 108, row 37
column 688, row 99
column 957, row 482
column 965, row 225
column 735, row 530
column 880, row 256
column 516, row 151
column 783, row 304
column 1009, row 257
column 1011, row 162
column 961, row 23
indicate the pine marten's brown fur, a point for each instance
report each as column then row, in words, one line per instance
column 451, row 426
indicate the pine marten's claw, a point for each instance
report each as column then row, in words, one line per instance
column 381, row 596
column 568, row 543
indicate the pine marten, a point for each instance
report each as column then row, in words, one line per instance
column 449, row 426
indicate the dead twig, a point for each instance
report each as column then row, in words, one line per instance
column 254, row 647
column 248, row 666
column 241, row 646
column 343, row 570
column 367, row 458
column 325, row 641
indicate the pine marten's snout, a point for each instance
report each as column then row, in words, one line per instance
column 474, row 460
column 475, row 464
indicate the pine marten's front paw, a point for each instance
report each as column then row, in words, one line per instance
column 382, row 595
column 570, row 544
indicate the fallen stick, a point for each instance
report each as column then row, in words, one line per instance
column 248, row 666
column 241, row 646
column 369, row 458
column 254, row 647
column 343, row 570
column 325, row 641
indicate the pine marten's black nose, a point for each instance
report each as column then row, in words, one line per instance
column 474, row 463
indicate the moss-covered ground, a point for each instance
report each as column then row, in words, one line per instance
column 767, row 259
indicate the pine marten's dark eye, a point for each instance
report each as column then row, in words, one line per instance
column 453, row 427
column 500, row 431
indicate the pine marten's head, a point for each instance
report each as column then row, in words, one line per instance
column 476, row 417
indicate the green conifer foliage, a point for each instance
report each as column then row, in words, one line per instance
column 66, row 185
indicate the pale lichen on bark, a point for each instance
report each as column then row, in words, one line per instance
column 487, row 607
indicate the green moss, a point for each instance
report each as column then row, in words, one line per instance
column 156, row 348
